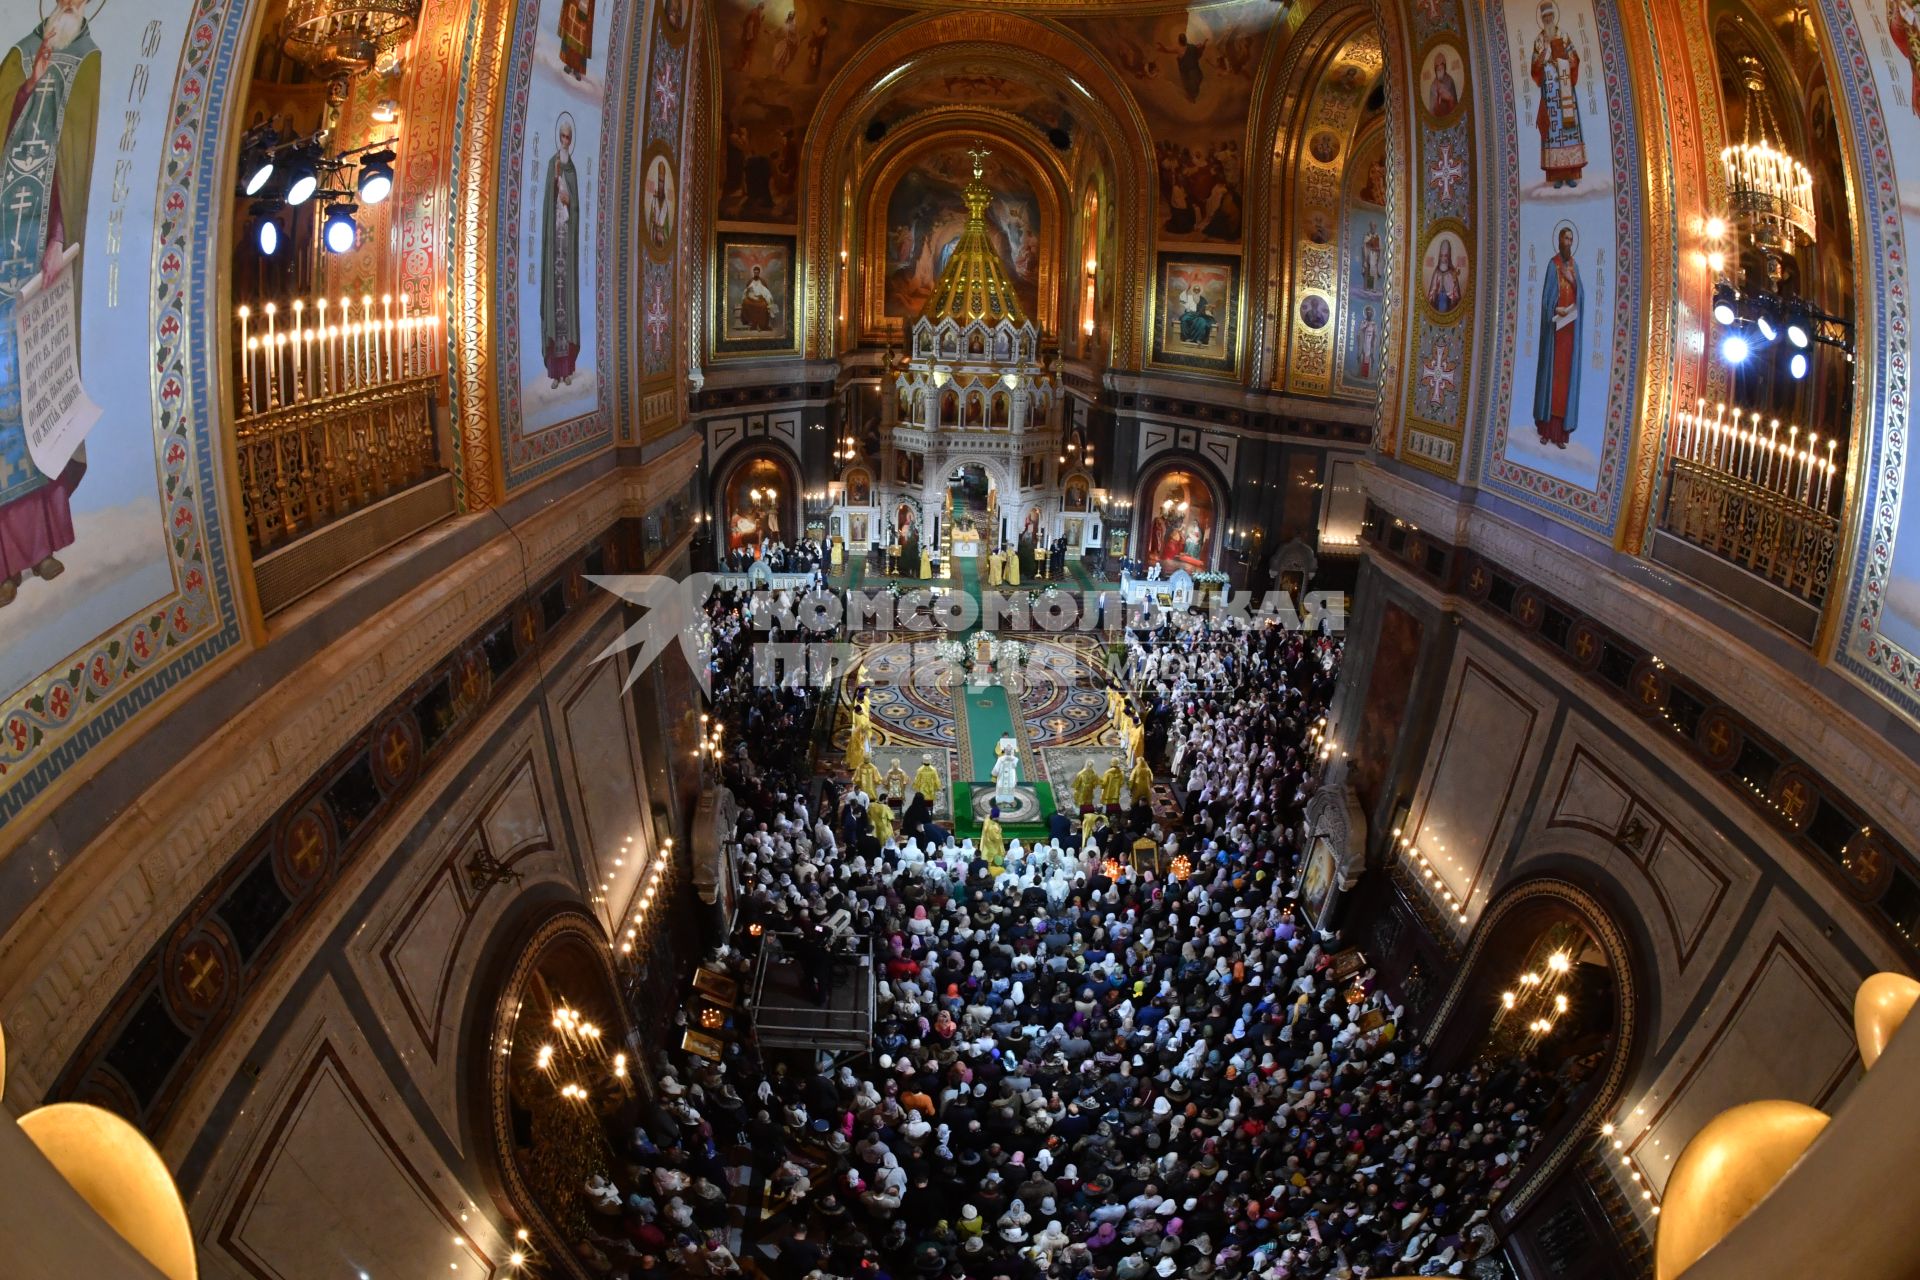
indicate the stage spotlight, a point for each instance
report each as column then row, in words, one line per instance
column 341, row 231
column 1797, row 366
column 257, row 165
column 303, row 179
column 1797, row 333
column 376, row 177
column 1763, row 321
column 1725, row 302
column 1734, row 348
column 266, row 234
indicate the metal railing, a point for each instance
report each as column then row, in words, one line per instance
column 335, row 411
column 1777, row 536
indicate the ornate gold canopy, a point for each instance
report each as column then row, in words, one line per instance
column 973, row 285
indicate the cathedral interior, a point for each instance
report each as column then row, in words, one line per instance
column 1244, row 638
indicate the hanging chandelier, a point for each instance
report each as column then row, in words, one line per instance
column 1769, row 192
column 1540, row 997
column 346, row 37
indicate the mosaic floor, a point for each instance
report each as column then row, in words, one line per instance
column 920, row 705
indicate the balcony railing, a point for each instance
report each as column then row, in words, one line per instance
column 1772, row 535
column 335, row 411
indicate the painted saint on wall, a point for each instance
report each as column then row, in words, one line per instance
column 1556, row 390
column 1443, row 280
column 1556, row 70
column 50, row 91
column 1366, row 344
column 660, row 203
column 576, row 36
column 1443, row 91
column 560, row 259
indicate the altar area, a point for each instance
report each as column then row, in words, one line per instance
column 954, row 698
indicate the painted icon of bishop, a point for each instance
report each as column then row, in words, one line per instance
column 50, row 91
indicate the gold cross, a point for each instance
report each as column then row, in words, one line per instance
column 1719, row 738
column 978, row 153
column 306, row 856
column 1583, row 645
column 396, row 752
column 1793, row 798
column 1649, row 689
column 1863, row 864
column 202, row 966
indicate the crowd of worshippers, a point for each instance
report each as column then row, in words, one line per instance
column 1081, row 1068
column 806, row 556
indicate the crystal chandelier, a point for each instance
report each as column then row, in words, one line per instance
column 1768, row 191
column 346, row 37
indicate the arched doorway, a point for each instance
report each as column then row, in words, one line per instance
column 559, row 1078
column 1547, row 1007
column 759, row 504
column 971, row 501
column 1180, row 514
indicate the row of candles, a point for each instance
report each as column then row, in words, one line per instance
column 309, row 351
column 1750, row 449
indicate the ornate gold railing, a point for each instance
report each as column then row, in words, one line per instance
column 1777, row 536
column 306, row 464
column 336, row 411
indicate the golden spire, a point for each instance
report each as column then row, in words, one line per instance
column 973, row 285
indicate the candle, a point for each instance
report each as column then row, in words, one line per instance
column 326, row 352
column 246, row 362
column 1830, row 469
column 369, row 349
column 300, row 391
column 1793, row 443
column 266, row 354
column 386, row 338
column 1806, row 480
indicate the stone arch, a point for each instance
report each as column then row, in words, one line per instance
column 1460, row 1017
column 547, row 937
column 1045, row 50
column 905, row 144
column 1218, row 489
column 1277, row 129
column 719, row 503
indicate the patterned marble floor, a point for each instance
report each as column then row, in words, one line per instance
column 920, row 706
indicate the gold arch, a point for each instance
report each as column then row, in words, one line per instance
column 1313, row 115
column 1620, row 956
column 1006, row 134
column 1281, row 102
column 1047, row 52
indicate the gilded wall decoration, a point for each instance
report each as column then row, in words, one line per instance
column 1363, row 277
column 115, row 582
column 1564, row 406
column 1879, row 639
column 660, row 200
column 1324, row 170
column 1437, row 379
